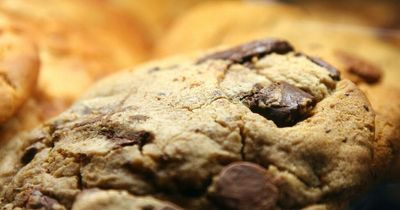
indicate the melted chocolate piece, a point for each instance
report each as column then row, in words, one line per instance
column 244, row 186
column 31, row 151
column 127, row 138
column 361, row 68
column 281, row 102
column 333, row 72
column 246, row 52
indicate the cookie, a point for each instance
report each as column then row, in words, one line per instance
column 257, row 126
column 156, row 15
column 214, row 29
column 386, row 103
column 78, row 42
column 382, row 15
column 355, row 51
column 76, row 39
column 19, row 68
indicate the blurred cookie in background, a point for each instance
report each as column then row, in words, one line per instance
column 78, row 42
column 19, row 66
column 210, row 24
column 356, row 51
column 157, row 15
column 380, row 14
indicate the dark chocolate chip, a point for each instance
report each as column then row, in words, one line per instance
column 366, row 108
column 148, row 207
column 37, row 200
column 28, row 155
column 243, row 186
column 127, row 138
column 30, row 152
column 246, row 52
column 280, row 102
column 361, row 68
column 166, row 208
column 139, row 117
column 154, row 69
column 333, row 72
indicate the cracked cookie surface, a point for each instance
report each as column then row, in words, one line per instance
column 178, row 134
column 357, row 52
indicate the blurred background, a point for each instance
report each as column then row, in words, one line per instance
column 80, row 41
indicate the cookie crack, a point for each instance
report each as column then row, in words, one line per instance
column 203, row 105
column 7, row 80
column 243, row 142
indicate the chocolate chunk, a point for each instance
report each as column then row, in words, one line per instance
column 127, row 137
column 154, row 69
column 360, row 68
column 28, row 155
column 148, row 207
column 281, row 102
column 246, row 52
column 139, row 117
column 37, row 200
column 31, row 151
column 333, row 72
column 243, row 186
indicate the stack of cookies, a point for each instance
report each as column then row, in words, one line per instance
column 246, row 105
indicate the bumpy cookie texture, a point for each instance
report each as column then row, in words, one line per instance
column 356, row 52
column 185, row 135
column 111, row 199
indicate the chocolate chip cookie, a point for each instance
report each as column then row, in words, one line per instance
column 18, row 68
column 257, row 126
column 354, row 50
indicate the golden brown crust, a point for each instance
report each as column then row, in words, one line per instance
column 19, row 66
column 386, row 102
